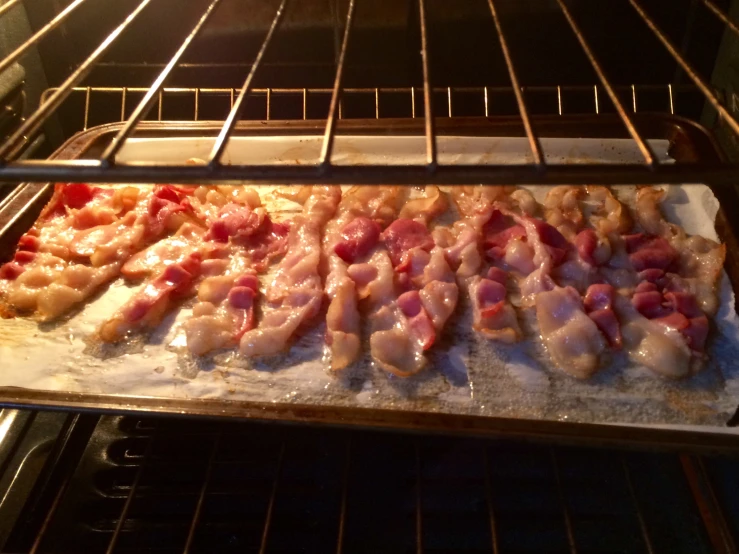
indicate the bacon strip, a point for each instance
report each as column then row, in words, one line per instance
column 493, row 316
column 225, row 312
column 571, row 337
column 296, row 293
column 394, row 346
column 349, row 239
column 151, row 303
column 504, row 240
column 242, row 241
column 76, row 246
column 231, row 227
column 405, row 325
column 656, row 346
column 696, row 260
column 598, row 304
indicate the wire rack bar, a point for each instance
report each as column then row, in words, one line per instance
column 201, row 496
column 715, row 10
column 690, row 71
column 49, row 516
column 563, row 502
column 489, row 502
column 5, row 7
column 41, row 33
column 14, row 146
column 708, row 505
column 237, row 105
column 94, row 171
column 428, row 108
column 637, row 507
column 272, row 498
column 106, row 170
column 146, row 102
column 646, row 151
column 131, row 495
column 335, row 106
column 534, row 143
column 491, row 90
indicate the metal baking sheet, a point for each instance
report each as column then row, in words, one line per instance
column 472, row 385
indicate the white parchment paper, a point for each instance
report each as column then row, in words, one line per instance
column 466, row 374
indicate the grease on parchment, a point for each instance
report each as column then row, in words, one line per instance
column 466, row 374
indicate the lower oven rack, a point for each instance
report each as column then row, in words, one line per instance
column 142, row 484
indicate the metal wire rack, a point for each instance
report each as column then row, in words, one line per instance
column 108, row 168
column 146, row 485
column 370, row 102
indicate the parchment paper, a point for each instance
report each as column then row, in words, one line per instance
column 466, row 374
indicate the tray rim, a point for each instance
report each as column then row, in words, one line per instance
column 358, row 416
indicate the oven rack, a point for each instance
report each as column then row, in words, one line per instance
column 150, row 485
column 107, row 169
column 368, row 103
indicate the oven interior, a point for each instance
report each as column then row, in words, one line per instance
column 91, row 482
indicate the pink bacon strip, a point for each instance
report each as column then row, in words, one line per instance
column 76, row 246
column 573, row 339
column 695, row 262
column 584, row 266
column 248, row 239
column 211, row 251
column 485, row 227
column 493, row 316
column 350, row 238
column 149, row 305
column 296, row 292
column 225, row 312
column 413, row 292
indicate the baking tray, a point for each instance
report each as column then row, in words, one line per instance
column 688, row 143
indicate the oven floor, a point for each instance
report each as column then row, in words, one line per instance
column 131, row 484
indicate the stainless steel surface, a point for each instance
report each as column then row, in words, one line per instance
column 106, row 169
column 27, row 442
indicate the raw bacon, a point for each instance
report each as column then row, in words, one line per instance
column 598, row 303
column 84, row 230
column 242, row 242
column 562, row 210
column 651, row 343
column 407, row 324
column 358, row 238
column 504, row 240
column 572, row 338
column 224, row 312
column 373, row 208
column 150, row 304
column 696, row 260
column 296, row 293
column 404, row 235
column 493, row 316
